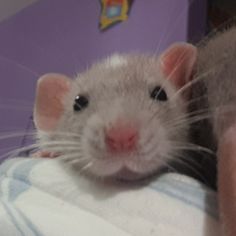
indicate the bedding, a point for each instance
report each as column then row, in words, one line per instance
column 40, row 197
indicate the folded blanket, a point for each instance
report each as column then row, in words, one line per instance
column 39, row 197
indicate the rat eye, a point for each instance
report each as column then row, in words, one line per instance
column 158, row 93
column 80, row 102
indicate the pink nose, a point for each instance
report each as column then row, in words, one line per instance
column 121, row 138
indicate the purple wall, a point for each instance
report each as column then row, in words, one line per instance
column 63, row 36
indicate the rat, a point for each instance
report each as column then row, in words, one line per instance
column 120, row 118
column 130, row 115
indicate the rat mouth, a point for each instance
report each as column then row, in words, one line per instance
column 125, row 169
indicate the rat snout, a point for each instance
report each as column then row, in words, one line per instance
column 121, row 138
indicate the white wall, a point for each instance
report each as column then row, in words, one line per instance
column 10, row 7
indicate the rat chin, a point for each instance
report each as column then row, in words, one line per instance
column 122, row 170
column 125, row 174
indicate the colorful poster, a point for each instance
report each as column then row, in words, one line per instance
column 113, row 12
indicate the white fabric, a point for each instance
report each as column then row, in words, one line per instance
column 38, row 197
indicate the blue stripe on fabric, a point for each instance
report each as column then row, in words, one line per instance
column 15, row 188
column 20, row 183
column 6, row 165
column 33, row 228
column 21, row 173
column 13, row 219
column 196, row 196
column 5, row 168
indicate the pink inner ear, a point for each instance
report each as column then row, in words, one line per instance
column 51, row 90
column 177, row 63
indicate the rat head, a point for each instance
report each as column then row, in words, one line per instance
column 120, row 118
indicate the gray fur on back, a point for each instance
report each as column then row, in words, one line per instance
column 217, row 67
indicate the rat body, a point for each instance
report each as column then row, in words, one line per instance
column 214, row 93
column 218, row 57
column 217, row 67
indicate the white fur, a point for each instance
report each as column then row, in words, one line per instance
column 125, row 97
column 145, row 160
column 115, row 61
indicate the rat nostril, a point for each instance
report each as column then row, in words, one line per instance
column 121, row 138
column 132, row 138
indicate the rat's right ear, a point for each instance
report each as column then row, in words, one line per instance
column 51, row 90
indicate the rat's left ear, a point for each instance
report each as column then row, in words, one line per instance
column 178, row 62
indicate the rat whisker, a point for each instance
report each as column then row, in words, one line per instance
column 9, row 148
column 166, row 164
column 19, row 65
column 10, row 135
column 67, row 133
column 15, row 107
column 193, row 147
column 202, row 114
column 15, row 152
column 175, row 126
column 194, row 100
column 188, row 121
column 185, row 147
column 178, row 64
column 180, row 60
column 180, row 159
column 60, row 142
column 187, row 103
column 75, row 160
column 68, row 157
column 59, row 149
column 85, row 167
column 191, row 83
column 30, row 147
column 190, row 115
column 165, row 35
column 16, row 101
column 14, row 104
column 198, row 78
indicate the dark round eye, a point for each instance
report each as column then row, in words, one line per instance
column 159, row 94
column 80, row 102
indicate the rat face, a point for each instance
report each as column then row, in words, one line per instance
column 120, row 116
